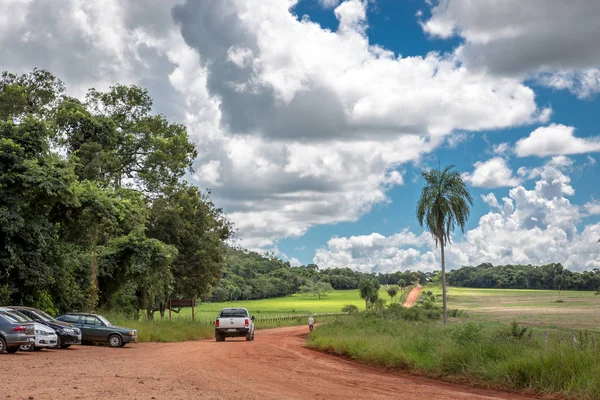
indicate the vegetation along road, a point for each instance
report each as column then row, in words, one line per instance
column 235, row 369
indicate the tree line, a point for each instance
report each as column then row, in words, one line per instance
column 94, row 210
column 249, row 275
column 549, row 276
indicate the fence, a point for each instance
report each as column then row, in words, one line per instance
column 211, row 321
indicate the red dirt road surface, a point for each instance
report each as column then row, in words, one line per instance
column 413, row 296
column 274, row 366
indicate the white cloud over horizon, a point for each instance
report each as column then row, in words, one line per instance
column 535, row 226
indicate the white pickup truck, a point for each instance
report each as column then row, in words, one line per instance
column 234, row 322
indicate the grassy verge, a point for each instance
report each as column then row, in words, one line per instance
column 182, row 329
column 472, row 353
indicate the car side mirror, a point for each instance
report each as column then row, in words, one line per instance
column 253, row 318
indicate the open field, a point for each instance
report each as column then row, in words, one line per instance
column 579, row 310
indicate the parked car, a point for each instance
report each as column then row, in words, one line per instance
column 44, row 335
column 97, row 329
column 67, row 335
column 234, row 322
column 14, row 334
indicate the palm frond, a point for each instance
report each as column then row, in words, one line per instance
column 444, row 203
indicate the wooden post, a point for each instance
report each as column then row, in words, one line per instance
column 546, row 339
column 170, row 317
column 574, row 340
column 193, row 307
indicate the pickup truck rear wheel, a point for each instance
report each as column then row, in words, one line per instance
column 219, row 337
column 249, row 337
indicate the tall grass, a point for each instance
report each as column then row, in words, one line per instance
column 478, row 354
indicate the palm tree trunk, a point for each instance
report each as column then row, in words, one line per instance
column 445, row 306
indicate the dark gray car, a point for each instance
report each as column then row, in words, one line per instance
column 14, row 334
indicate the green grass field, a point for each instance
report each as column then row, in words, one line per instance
column 296, row 304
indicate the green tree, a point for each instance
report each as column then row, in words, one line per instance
column 115, row 139
column 369, row 290
column 444, row 203
column 317, row 288
column 392, row 291
column 187, row 219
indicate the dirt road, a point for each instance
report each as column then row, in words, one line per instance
column 413, row 296
column 274, row 366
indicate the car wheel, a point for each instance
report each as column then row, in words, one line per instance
column 2, row 345
column 219, row 337
column 115, row 341
column 248, row 337
column 58, row 343
column 27, row 347
column 12, row 350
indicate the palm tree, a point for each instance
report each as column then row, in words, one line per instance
column 445, row 202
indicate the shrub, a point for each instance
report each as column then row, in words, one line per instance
column 350, row 309
column 466, row 333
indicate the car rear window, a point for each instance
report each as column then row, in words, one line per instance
column 233, row 313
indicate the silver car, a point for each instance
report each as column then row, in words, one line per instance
column 44, row 335
column 14, row 334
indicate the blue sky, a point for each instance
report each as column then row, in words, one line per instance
column 314, row 118
column 394, row 24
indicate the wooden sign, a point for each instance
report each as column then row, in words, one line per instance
column 180, row 303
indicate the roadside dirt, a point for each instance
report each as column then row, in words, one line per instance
column 274, row 366
column 413, row 296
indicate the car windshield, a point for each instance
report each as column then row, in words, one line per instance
column 234, row 313
column 44, row 316
column 104, row 320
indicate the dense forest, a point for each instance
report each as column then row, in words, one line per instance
column 94, row 211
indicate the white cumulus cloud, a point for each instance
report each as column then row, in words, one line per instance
column 555, row 139
column 492, row 173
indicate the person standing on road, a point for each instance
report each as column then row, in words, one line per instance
column 311, row 323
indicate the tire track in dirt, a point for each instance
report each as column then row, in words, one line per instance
column 413, row 296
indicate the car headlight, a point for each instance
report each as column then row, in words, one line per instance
column 132, row 333
column 66, row 331
column 42, row 333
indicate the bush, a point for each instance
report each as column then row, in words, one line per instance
column 466, row 333
column 350, row 309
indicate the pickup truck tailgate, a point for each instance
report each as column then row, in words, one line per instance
column 232, row 323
